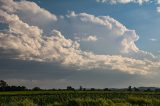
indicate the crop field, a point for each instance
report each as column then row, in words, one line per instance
column 79, row 98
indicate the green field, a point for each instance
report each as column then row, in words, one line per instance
column 79, row 98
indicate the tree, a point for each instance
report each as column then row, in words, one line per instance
column 130, row 88
column 106, row 89
column 92, row 89
column 136, row 89
column 80, row 88
column 36, row 89
column 70, row 88
column 3, row 83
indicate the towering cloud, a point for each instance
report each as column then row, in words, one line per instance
column 113, row 37
column 29, row 39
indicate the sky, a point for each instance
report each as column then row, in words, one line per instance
column 89, row 43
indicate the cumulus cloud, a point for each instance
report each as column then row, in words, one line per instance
column 108, row 30
column 29, row 42
column 113, row 37
column 30, row 13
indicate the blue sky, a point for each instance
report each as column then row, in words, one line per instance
column 55, row 43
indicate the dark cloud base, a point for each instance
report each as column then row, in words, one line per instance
column 33, row 70
column 11, row 68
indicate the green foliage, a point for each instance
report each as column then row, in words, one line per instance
column 79, row 98
column 139, row 101
column 25, row 102
column 89, row 102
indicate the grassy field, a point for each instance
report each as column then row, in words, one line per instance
column 79, row 98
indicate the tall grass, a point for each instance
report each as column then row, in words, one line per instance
column 78, row 98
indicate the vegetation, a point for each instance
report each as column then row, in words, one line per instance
column 80, row 97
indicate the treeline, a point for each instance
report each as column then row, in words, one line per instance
column 5, row 87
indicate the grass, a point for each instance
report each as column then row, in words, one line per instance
column 79, row 98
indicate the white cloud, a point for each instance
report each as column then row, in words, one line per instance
column 30, row 43
column 108, row 30
column 131, row 1
column 158, row 9
column 158, row 1
column 90, row 38
column 123, row 1
column 113, row 37
column 30, row 13
column 153, row 39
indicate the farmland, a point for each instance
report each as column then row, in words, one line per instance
column 79, row 98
